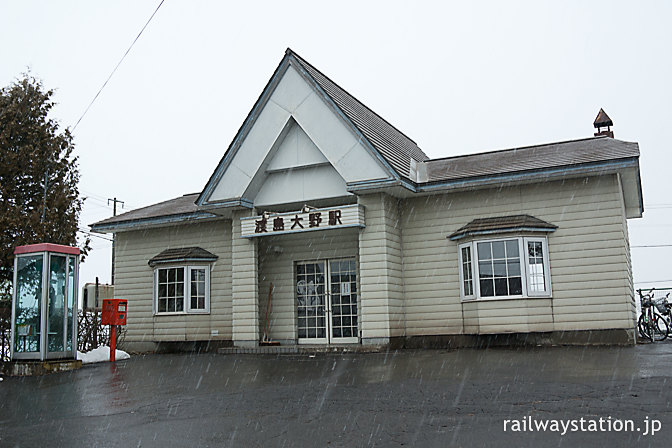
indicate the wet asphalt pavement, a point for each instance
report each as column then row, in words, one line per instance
column 405, row 398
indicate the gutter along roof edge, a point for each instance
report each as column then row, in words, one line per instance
column 155, row 221
column 529, row 175
column 592, row 168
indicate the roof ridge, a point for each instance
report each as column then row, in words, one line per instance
column 291, row 52
column 562, row 142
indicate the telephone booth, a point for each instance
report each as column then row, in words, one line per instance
column 44, row 319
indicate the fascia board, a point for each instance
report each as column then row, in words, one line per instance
column 228, row 203
column 260, row 104
column 242, row 132
column 595, row 168
column 370, row 186
column 183, row 260
column 510, row 229
column 337, row 110
column 160, row 221
column 640, row 194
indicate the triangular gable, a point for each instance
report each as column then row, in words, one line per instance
column 296, row 150
column 301, row 186
column 295, row 171
column 396, row 148
column 292, row 97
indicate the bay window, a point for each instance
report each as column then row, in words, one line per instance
column 182, row 280
column 182, row 289
column 511, row 267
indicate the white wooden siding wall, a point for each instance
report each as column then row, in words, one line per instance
column 380, row 268
column 395, row 268
column 134, row 281
column 589, row 260
column 244, row 287
column 278, row 268
column 632, row 297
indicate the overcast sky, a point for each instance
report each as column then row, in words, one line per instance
column 457, row 77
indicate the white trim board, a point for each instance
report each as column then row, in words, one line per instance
column 295, row 114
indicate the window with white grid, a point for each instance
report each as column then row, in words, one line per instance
column 514, row 267
column 182, row 289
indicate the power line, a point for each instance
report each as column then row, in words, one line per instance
column 99, row 206
column 89, row 194
column 105, row 205
column 651, row 245
column 654, row 281
column 94, row 199
column 117, row 66
column 94, row 235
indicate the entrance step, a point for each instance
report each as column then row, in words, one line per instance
column 301, row 349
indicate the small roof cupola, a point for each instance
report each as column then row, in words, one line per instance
column 603, row 121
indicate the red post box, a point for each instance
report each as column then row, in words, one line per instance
column 114, row 313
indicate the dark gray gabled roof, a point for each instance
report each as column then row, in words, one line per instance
column 533, row 163
column 393, row 145
column 178, row 208
column 182, row 254
column 488, row 165
column 529, row 158
column 499, row 224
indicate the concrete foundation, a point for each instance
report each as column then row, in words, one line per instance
column 615, row 337
column 36, row 368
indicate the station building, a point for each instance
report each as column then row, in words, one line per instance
column 324, row 224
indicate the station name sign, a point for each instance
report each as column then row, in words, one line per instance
column 296, row 222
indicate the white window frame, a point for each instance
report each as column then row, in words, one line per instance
column 464, row 296
column 524, row 266
column 206, row 309
column 547, row 269
column 187, row 290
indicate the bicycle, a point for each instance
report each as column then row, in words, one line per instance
column 651, row 324
column 665, row 309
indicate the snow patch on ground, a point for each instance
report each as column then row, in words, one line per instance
column 101, row 354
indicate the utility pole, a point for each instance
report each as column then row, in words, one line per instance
column 95, row 317
column 114, row 235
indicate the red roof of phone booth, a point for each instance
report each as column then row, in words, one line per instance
column 47, row 247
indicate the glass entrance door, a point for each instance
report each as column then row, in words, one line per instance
column 326, row 293
column 311, row 302
column 343, row 301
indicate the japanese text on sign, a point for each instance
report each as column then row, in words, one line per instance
column 292, row 222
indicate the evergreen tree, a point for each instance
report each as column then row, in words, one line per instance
column 39, row 199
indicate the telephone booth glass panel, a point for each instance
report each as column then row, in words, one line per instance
column 28, row 304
